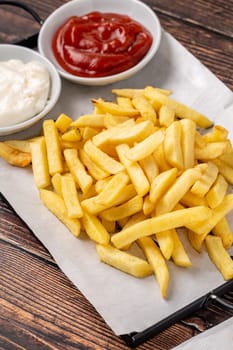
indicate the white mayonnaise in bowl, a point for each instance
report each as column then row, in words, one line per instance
column 29, row 88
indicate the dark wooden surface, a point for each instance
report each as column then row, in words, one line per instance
column 39, row 307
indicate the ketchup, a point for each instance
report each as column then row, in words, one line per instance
column 100, row 44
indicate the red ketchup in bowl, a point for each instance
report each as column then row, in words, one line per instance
column 100, row 44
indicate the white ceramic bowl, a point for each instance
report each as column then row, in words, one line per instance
column 8, row 52
column 133, row 8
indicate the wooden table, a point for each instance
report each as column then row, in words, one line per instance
column 39, row 306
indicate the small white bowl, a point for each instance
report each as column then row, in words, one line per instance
column 133, row 8
column 24, row 54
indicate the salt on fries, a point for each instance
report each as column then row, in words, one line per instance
column 131, row 173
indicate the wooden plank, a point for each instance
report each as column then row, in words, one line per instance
column 214, row 15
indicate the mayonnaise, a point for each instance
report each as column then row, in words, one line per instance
column 24, row 90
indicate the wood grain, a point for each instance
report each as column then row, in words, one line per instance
column 40, row 307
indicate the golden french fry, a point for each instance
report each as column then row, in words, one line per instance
column 225, row 170
column 148, row 206
column 113, row 189
column 123, row 261
column 160, row 223
column 192, row 200
column 210, row 151
column 115, row 109
column 218, row 133
column 135, row 172
column 181, row 110
column 53, row 147
column 95, row 229
column 57, row 206
column 70, row 196
column 146, row 147
column 219, row 256
column 188, row 132
column 134, row 205
column 40, row 167
column 179, row 254
column 20, row 145
column 72, row 135
column 172, row 145
column 63, row 122
column 166, row 116
column 14, row 156
column 149, row 167
column 92, row 120
column 125, row 102
column 157, row 263
column 103, row 160
column 161, row 183
column 145, row 108
column 91, row 206
column 160, row 159
column 88, row 132
column 174, row 194
column 217, row 192
column 94, row 170
column 204, row 183
column 218, row 213
column 166, row 242
column 56, row 182
column 77, row 169
column 223, row 230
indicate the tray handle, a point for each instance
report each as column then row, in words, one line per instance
column 23, row 6
column 221, row 301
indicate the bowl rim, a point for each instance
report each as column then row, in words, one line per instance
column 54, row 93
column 111, row 78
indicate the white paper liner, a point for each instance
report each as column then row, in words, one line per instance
column 127, row 304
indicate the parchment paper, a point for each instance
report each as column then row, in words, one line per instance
column 218, row 337
column 127, row 304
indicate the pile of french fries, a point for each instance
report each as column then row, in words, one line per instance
column 133, row 172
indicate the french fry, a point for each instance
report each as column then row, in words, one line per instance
column 40, row 166
column 125, row 102
column 222, row 229
column 94, row 170
column 146, row 147
column 102, row 160
column 81, row 177
column 91, row 120
column 161, row 183
column 166, row 116
column 210, row 151
column 204, row 183
column 123, row 261
column 145, row 108
column 70, row 196
column 219, row 256
column 172, row 145
column 181, row 110
column 160, row 223
column 188, row 132
column 179, row 254
column 20, row 145
column 56, row 205
column 157, row 262
column 134, row 171
column 166, row 243
column 225, row 170
column 160, row 159
column 56, row 183
column 218, row 213
column 174, row 194
column 63, row 122
column 14, row 156
column 72, row 135
column 113, row 189
column 134, row 205
column 53, row 147
column 192, row 200
column 218, row 133
column 95, row 229
column 115, row 109
column 149, row 167
column 217, row 192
